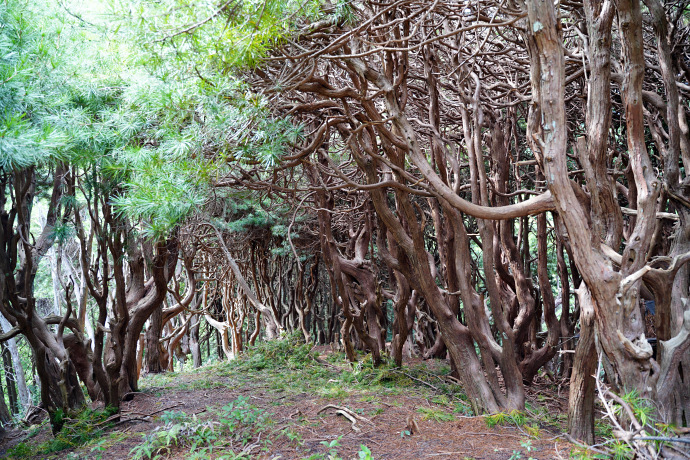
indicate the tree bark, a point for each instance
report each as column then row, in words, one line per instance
column 582, row 382
column 5, row 416
column 10, row 379
column 154, row 333
column 194, row 345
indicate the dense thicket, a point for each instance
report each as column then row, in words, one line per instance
column 492, row 183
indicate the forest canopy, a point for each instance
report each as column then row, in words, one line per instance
column 500, row 184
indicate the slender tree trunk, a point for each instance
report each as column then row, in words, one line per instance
column 5, row 416
column 219, row 345
column 10, row 379
column 404, row 312
column 194, row 345
column 22, row 389
column 257, row 328
column 154, row 333
column 582, row 383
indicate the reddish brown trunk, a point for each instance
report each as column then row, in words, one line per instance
column 582, row 383
column 154, row 332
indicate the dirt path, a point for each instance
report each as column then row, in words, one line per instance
column 395, row 417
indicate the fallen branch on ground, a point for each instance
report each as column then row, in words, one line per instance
column 348, row 414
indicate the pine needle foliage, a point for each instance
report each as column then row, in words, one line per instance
column 135, row 113
column 182, row 134
column 27, row 94
column 214, row 37
column 162, row 132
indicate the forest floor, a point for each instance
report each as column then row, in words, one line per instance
column 289, row 401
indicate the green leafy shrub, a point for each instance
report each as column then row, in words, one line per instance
column 180, row 430
column 287, row 352
column 75, row 432
column 89, row 424
column 237, row 421
column 21, row 450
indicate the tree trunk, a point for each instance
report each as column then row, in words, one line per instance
column 22, row 389
column 60, row 389
column 582, row 382
column 194, row 345
column 140, row 354
column 257, row 328
column 10, row 379
column 404, row 308
column 5, row 416
column 154, row 333
column 82, row 358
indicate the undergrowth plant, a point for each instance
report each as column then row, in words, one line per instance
column 514, row 417
column 435, row 415
column 289, row 352
column 85, row 427
column 517, row 453
column 631, row 430
column 238, row 423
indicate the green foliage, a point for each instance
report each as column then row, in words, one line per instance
column 364, row 453
column 239, row 413
column 641, row 407
column 150, row 134
column 99, row 447
column 172, row 434
column 88, row 426
column 244, row 214
column 153, row 137
column 27, row 92
column 580, row 453
column 174, row 416
column 603, row 429
column 441, row 400
column 436, row 415
column 21, row 450
column 515, row 417
column 332, row 448
column 343, row 12
column 178, row 135
column 527, row 445
column 289, row 352
column 238, row 421
column 621, row 451
column 212, row 36
column 533, row 430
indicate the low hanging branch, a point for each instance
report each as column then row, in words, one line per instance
column 70, row 322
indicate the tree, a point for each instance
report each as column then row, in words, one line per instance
column 361, row 84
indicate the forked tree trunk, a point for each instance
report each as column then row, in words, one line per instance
column 82, row 358
column 60, row 387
